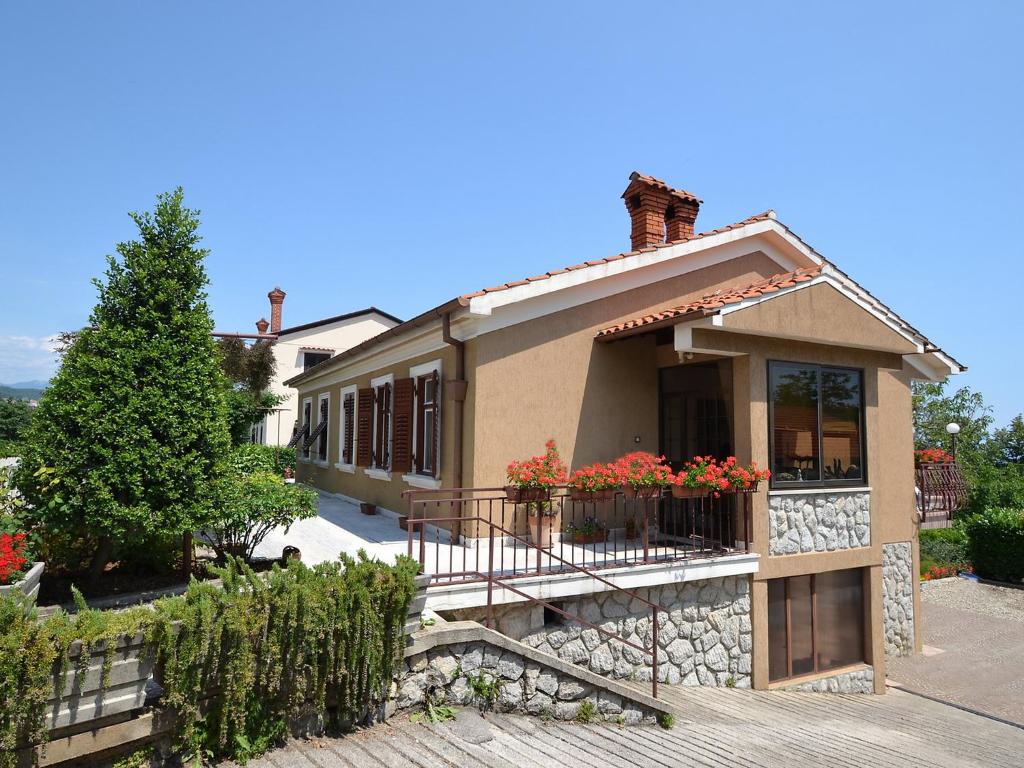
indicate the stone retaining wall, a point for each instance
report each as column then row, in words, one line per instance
column 855, row 681
column 818, row 522
column 704, row 632
column 520, row 685
column 898, row 597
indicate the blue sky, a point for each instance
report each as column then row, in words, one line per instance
column 403, row 154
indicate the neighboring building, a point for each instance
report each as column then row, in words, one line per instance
column 300, row 347
column 741, row 340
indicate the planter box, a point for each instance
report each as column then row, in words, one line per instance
column 598, row 537
column 526, row 495
column 682, row 492
column 83, row 698
column 605, row 494
column 367, row 509
column 28, row 585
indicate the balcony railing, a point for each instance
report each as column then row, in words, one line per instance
column 461, row 534
column 941, row 492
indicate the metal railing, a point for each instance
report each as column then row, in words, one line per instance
column 941, row 492
column 562, row 534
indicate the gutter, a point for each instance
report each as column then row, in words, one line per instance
column 456, row 390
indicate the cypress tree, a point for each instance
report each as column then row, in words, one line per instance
column 131, row 434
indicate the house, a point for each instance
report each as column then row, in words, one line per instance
column 300, row 347
column 741, row 340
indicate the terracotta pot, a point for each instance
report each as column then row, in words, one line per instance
column 752, row 488
column 646, row 492
column 542, row 537
column 605, row 494
column 526, row 495
column 682, row 492
column 597, row 537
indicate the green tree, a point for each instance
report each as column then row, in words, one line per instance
column 1007, row 444
column 15, row 416
column 134, row 424
column 934, row 409
column 248, row 371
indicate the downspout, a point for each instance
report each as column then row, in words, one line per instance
column 456, row 389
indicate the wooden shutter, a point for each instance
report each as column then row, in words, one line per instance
column 364, row 438
column 437, row 425
column 401, row 451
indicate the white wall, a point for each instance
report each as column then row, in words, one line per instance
column 337, row 336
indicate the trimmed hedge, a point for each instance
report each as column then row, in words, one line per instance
column 945, row 547
column 996, row 544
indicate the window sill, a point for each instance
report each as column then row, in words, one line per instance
column 819, row 489
column 422, row 481
column 318, row 462
column 304, row 459
column 350, row 468
column 377, row 474
column 810, row 677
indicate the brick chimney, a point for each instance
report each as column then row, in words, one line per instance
column 276, row 297
column 262, row 325
column 658, row 213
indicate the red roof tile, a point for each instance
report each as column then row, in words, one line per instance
column 716, row 300
column 597, row 262
column 655, row 182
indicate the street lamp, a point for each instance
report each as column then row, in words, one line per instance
column 953, row 429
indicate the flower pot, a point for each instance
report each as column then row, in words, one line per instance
column 597, row 537
column 684, row 492
column 367, row 509
column 604, row 494
column 645, row 492
column 541, row 531
column 28, row 585
column 526, row 495
column 752, row 488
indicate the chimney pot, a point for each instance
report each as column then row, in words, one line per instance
column 276, row 297
column 658, row 213
column 262, row 325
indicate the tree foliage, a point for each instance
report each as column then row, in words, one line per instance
column 249, row 371
column 134, row 423
column 934, row 409
column 15, row 417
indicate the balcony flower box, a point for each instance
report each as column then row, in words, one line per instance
column 531, row 480
column 526, row 495
column 597, row 482
column 27, row 585
column 604, row 494
column 643, row 475
column 685, row 492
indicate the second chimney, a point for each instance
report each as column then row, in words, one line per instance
column 276, row 297
column 658, row 213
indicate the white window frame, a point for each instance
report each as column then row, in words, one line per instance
column 325, row 461
column 414, row 478
column 353, row 390
column 308, row 457
column 382, row 473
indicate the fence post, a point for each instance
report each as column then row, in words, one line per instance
column 654, row 660
column 490, row 575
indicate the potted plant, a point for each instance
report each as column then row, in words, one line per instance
column 289, row 475
column 644, row 474
column 531, row 480
column 597, row 482
column 18, row 574
column 590, row 531
column 742, row 479
column 932, row 456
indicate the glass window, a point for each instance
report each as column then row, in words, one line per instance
column 815, row 623
column 817, row 424
column 309, row 359
column 427, row 424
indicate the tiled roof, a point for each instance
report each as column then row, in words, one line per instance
column 505, row 286
column 714, row 301
column 316, row 349
column 682, row 194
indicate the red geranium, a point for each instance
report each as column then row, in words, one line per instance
column 933, row 456
column 643, row 470
column 706, row 472
column 545, row 471
column 12, row 556
column 596, row 477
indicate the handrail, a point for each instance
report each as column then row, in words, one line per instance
column 493, row 580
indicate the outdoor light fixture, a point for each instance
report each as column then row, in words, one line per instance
column 953, row 429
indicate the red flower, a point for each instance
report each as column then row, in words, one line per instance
column 538, row 471
column 12, row 556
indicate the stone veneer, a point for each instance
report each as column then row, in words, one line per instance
column 818, row 521
column 855, row 681
column 704, row 632
column 898, row 597
column 522, row 685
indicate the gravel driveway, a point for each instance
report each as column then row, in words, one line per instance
column 973, row 648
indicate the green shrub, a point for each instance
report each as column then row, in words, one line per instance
column 945, row 547
column 996, row 542
column 994, row 487
column 252, row 457
column 251, row 506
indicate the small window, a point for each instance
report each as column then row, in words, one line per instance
column 382, row 426
column 427, row 424
column 309, row 359
column 321, row 446
column 817, row 417
column 348, row 427
column 815, row 623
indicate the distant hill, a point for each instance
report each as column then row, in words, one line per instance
column 20, row 392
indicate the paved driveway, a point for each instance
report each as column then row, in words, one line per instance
column 974, row 648
column 715, row 727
